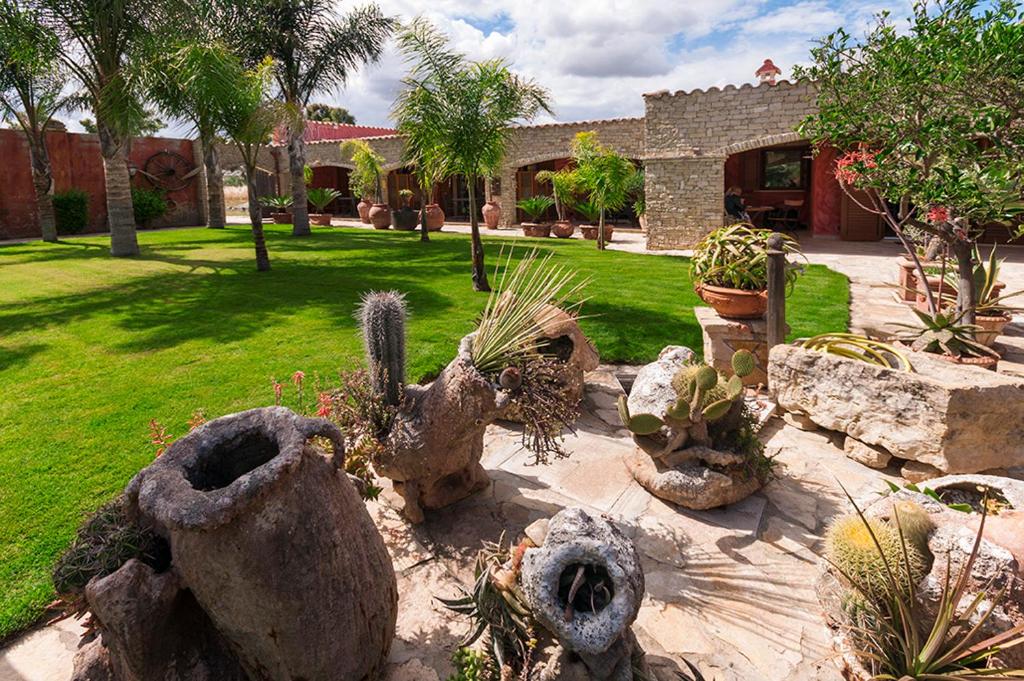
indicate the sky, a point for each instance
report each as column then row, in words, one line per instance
column 597, row 57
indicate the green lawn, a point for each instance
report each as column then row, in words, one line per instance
column 92, row 348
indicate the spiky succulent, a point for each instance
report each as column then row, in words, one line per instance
column 944, row 334
column 382, row 319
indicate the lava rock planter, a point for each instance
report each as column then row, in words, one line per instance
column 272, row 538
column 585, row 585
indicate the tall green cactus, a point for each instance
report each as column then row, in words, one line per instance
column 382, row 319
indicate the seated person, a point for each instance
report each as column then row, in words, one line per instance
column 734, row 205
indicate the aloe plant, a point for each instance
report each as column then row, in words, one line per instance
column 535, row 206
column 321, row 196
column 281, row 203
column 737, row 257
column 944, row 333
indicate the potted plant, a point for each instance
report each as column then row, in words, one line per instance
column 405, row 218
column 591, row 213
column 639, row 199
column 279, row 206
column 605, row 176
column 730, row 269
column 492, row 213
column 535, row 207
column 563, row 188
column 369, row 176
column 992, row 314
column 319, row 197
column 943, row 334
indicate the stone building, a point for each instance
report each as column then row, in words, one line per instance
column 693, row 145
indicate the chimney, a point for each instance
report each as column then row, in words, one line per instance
column 768, row 72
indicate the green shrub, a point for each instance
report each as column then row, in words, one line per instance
column 149, row 204
column 72, row 211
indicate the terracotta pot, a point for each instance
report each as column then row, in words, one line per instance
column 642, row 219
column 435, row 217
column 281, row 218
column 380, row 216
column 492, row 214
column 907, row 280
column 405, row 219
column 989, row 363
column 535, row 230
column 733, row 302
column 991, row 327
column 563, row 229
column 936, row 284
column 320, row 219
column 590, row 232
column 364, row 211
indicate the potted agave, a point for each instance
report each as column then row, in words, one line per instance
column 591, row 213
column 943, row 334
column 405, row 218
column 535, row 207
column 279, row 206
column 563, row 188
column 320, row 198
column 730, row 269
column 992, row 314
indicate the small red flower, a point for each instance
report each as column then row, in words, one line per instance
column 159, row 437
column 297, row 378
column 324, row 401
column 278, row 388
column 850, row 166
column 938, row 214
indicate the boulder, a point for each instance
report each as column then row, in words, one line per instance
column 801, row 421
column 869, row 455
column 694, row 484
column 956, row 418
column 652, row 391
column 915, row 471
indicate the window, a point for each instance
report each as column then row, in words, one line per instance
column 784, row 168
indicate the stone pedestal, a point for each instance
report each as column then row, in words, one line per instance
column 723, row 337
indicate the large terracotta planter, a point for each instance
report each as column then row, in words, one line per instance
column 363, row 207
column 273, row 540
column 405, row 219
column 907, row 280
column 733, row 302
column 536, row 230
column 992, row 327
column 492, row 214
column 379, row 216
column 281, row 218
column 320, row 219
column 435, row 217
column 590, row 232
column 563, row 229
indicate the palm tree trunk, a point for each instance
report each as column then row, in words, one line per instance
column 479, row 272
column 214, row 185
column 120, row 213
column 425, row 198
column 297, row 167
column 42, row 181
column 256, row 220
column 600, row 231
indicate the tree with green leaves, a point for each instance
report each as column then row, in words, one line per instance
column 929, row 117
column 367, row 178
column 102, row 42
column 329, row 114
column 32, row 85
column 313, row 50
column 149, row 124
column 608, row 178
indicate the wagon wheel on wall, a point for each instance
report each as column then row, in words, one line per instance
column 169, row 171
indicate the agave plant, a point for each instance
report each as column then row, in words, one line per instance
column 281, row 203
column 942, row 333
column 899, row 642
column 737, row 257
column 321, row 196
column 527, row 297
column 535, row 206
column 855, row 346
column 991, row 300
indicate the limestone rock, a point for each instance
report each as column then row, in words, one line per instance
column 915, row 472
column 723, row 337
column 652, row 391
column 612, row 567
column 691, row 484
column 869, row 455
column 801, row 421
column 959, row 419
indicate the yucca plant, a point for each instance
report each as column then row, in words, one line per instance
column 855, row 346
column 535, row 206
column 943, row 333
column 737, row 257
column 528, row 296
column 899, row 642
column 281, row 203
column 320, row 197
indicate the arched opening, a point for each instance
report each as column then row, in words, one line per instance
column 399, row 180
column 236, row 191
column 527, row 186
column 775, row 184
column 453, row 195
column 337, row 178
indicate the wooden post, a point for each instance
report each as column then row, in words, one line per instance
column 776, row 315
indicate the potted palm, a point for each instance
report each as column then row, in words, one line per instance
column 405, row 218
column 535, row 207
column 605, row 176
column 591, row 214
column 945, row 335
column 319, row 198
column 279, row 206
column 563, row 189
column 369, row 175
column 730, row 269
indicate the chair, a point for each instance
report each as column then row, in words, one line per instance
column 787, row 216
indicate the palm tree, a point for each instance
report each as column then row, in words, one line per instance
column 31, row 92
column 463, row 110
column 100, row 42
column 606, row 177
column 313, row 49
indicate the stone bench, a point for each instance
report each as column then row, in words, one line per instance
column 958, row 419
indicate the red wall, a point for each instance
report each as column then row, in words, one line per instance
column 826, row 194
column 77, row 164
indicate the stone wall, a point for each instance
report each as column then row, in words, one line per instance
column 688, row 136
